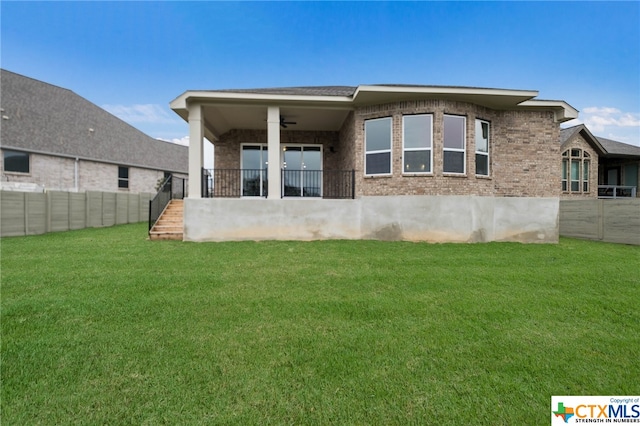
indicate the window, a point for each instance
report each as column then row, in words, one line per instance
column 15, row 161
column 377, row 140
column 575, row 171
column 631, row 175
column 482, row 148
column 416, row 143
column 454, row 144
column 123, row 177
column 254, row 163
column 565, row 166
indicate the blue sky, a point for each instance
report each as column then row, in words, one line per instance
column 133, row 58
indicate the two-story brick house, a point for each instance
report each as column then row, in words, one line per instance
column 419, row 163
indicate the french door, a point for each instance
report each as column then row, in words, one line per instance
column 254, row 163
column 301, row 171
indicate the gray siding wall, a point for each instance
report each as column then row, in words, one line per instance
column 31, row 213
column 615, row 221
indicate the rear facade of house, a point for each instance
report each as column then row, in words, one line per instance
column 418, row 163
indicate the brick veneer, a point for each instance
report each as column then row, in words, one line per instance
column 524, row 151
column 579, row 142
column 58, row 173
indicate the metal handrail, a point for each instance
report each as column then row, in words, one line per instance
column 335, row 184
column 171, row 188
column 236, row 183
column 616, row 191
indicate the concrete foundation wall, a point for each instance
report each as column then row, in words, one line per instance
column 409, row 218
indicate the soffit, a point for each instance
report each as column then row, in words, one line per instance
column 220, row 119
column 490, row 98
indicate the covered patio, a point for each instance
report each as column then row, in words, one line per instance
column 298, row 130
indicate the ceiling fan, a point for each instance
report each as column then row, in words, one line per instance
column 284, row 123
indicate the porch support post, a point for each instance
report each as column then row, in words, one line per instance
column 273, row 145
column 196, row 140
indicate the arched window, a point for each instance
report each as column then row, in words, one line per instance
column 575, row 171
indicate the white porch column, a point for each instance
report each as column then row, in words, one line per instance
column 196, row 147
column 273, row 145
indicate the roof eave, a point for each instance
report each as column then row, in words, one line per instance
column 490, row 98
column 213, row 98
column 562, row 110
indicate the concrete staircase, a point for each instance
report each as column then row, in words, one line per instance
column 169, row 225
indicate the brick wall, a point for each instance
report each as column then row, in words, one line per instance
column 229, row 146
column 58, row 173
column 524, row 151
column 577, row 141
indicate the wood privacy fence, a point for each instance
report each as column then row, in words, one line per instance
column 615, row 221
column 31, row 213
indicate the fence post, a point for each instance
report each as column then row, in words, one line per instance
column 601, row 219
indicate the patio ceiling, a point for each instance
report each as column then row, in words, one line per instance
column 222, row 118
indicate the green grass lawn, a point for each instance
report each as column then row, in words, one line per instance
column 101, row 326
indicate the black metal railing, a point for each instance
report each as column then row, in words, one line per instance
column 235, row 183
column 207, row 183
column 171, row 188
column 616, row 191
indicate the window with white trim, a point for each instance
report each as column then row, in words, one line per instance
column 482, row 148
column 377, row 141
column 575, row 171
column 123, row 177
column 454, row 144
column 417, row 134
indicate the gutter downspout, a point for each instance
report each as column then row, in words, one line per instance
column 75, row 175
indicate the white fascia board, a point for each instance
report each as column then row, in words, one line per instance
column 445, row 90
column 563, row 111
column 204, row 97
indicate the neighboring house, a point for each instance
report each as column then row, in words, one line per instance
column 53, row 139
column 398, row 162
column 597, row 167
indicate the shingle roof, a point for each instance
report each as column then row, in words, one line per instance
column 618, row 148
column 49, row 119
column 566, row 134
column 611, row 148
column 331, row 90
column 308, row 91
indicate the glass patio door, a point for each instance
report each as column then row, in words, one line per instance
column 301, row 171
column 254, row 171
